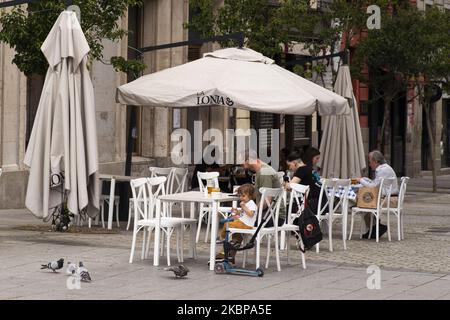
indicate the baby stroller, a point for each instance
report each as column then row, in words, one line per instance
column 225, row 266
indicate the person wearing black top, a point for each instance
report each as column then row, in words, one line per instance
column 304, row 175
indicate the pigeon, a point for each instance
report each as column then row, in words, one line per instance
column 179, row 271
column 83, row 273
column 54, row 265
column 71, row 268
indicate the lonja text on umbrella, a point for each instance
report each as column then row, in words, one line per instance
column 213, row 99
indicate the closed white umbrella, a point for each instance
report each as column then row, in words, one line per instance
column 64, row 136
column 341, row 148
column 233, row 77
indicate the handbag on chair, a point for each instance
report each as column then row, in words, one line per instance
column 309, row 229
column 367, row 198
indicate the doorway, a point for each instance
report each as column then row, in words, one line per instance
column 398, row 132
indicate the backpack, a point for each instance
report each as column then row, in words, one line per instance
column 309, row 229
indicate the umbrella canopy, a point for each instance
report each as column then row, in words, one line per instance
column 342, row 147
column 233, row 77
column 63, row 141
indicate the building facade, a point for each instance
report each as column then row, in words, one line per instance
column 161, row 22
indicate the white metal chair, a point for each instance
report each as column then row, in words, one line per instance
column 299, row 193
column 178, row 185
column 271, row 212
column 142, row 218
column 383, row 203
column 398, row 210
column 163, row 172
column 168, row 224
column 325, row 203
column 154, row 172
column 205, row 210
column 299, row 199
column 339, row 210
column 147, row 217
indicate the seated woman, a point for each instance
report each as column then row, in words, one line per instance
column 302, row 174
column 306, row 174
column 311, row 158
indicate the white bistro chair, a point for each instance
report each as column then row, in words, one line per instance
column 299, row 193
column 163, row 172
column 383, row 204
column 398, row 210
column 152, row 216
column 154, row 172
column 178, row 185
column 326, row 203
column 168, row 224
column 205, row 179
column 338, row 209
column 271, row 212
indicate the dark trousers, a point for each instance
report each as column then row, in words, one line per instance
column 313, row 204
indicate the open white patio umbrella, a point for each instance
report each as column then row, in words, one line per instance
column 64, row 136
column 233, row 77
column 341, row 148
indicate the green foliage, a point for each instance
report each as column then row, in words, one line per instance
column 409, row 43
column 26, row 30
column 432, row 48
column 131, row 67
column 203, row 17
column 268, row 27
column 261, row 23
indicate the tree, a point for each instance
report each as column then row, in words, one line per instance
column 411, row 47
column 329, row 28
column 431, row 69
column 26, row 30
column 388, row 53
column 270, row 25
column 261, row 22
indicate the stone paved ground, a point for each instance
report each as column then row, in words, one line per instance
column 416, row 268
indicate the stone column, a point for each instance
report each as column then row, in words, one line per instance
column 111, row 117
column 13, row 96
column 163, row 24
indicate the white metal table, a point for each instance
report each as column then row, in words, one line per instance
column 113, row 178
column 198, row 197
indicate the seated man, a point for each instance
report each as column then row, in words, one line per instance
column 382, row 170
column 265, row 176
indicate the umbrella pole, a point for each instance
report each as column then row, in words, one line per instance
column 124, row 189
column 130, row 141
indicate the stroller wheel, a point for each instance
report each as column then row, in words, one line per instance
column 219, row 268
column 260, row 272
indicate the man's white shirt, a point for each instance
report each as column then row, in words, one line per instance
column 382, row 171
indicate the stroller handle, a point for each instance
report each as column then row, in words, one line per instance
column 226, row 220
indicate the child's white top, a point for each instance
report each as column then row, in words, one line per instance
column 250, row 221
